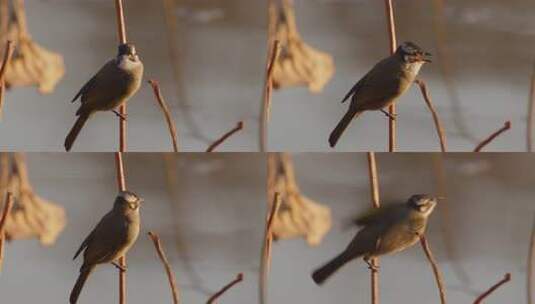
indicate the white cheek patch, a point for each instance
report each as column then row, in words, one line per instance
column 426, row 210
column 414, row 68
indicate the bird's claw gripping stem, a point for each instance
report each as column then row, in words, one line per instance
column 121, row 116
column 371, row 266
column 392, row 117
column 121, row 268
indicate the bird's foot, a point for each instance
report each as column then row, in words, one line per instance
column 391, row 116
column 120, row 267
column 371, row 266
column 121, row 116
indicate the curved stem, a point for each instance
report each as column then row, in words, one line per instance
column 506, row 126
column 167, row 114
column 436, row 270
column 218, row 142
column 436, row 119
column 170, row 276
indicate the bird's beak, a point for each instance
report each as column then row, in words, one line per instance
column 440, row 198
column 426, row 57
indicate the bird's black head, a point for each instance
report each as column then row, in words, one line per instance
column 411, row 53
column 127, row 200
column 127, row 49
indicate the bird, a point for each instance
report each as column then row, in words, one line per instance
column 385, row 230
column 110, row 240
column 382, row 85
column 116, row 82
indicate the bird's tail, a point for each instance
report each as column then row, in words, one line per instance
column 342, row 126
column 85, row 271
column 322, row 274
column 78, row 125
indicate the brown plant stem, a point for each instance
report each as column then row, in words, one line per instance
column 374, row 190
column 167, row 114
column 505, row 279
column 121, row 30
column 266, row 98
column 531, row 113
column 239, row 126
column 171, row 277
column 436, row 271
column 266, row 249
column 218, row 294
column 121, row 184
column 506, row 126
column 7, row 57
column 391, row 26
column 436, row 119
column 8, row 204
column 531, row 267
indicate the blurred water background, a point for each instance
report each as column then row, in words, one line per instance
column 487, row 52
column 213, row 228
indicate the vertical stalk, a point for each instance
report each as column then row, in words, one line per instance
column 374, row 190
column 389, row 10
column 121, row 30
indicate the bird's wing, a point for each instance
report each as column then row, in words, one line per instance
column 96, row 81
column 87, row 86
column 107, row 240
column 103, row 87
column 95, row 234
column 367, row 240
column 355, row 88
column 374, row 215
column 377, row 70
column 84, row 244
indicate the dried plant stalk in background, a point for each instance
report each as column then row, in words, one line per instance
column 486, row 141
column 8, row 204
column 31, row 216
column 482, row 297
column 298, row 63
column 265, row 254
column 298, row 215
column 3, row 68
column 31, row 63
column 218, row 294
column 170, row 275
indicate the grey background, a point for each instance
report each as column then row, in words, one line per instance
column 222, row 46
column 216, row 225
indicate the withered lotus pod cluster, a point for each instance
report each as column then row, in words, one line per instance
column 31, row 216
column 297, row 216
column 298, row 64
column 31, row 63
